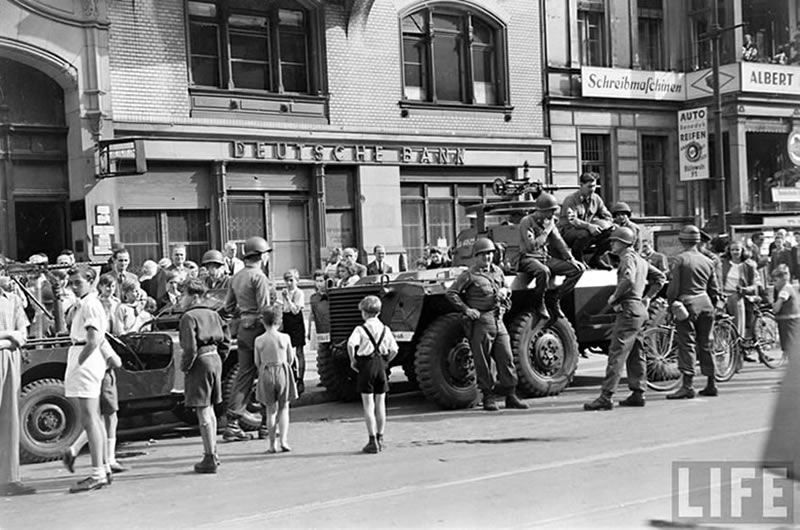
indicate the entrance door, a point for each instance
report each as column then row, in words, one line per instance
column 41, row 227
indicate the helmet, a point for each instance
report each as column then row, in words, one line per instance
column 482, row 245
column 623, row 234
column 546, row 201
column 255, row 246
column 213, row 256
column 620, row 207
column 689, row 234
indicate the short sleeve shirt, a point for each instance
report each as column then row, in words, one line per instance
column 89, row 313
column 359, row 339
column 12, row 314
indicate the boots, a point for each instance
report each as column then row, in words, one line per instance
column 601, row 403
column 711, row 388
column 513, row 402
column 263, row 432
column 686, row 391
column 372, row 446
column 379, row 439
column 636, row 399
column 233, row 432
column 207, row 465
column 540, row 309
column 551, row 302
column 489, row 403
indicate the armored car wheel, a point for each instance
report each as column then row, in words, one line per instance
column 49, row 422
column 335, row 374
column 444, row 366
column 251, row 419
column 546, row 358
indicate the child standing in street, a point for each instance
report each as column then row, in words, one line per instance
column 293, row 300
column 205, row 340
column 787, row 310
column 274, row 356
column 317, row 311
column 371, row 347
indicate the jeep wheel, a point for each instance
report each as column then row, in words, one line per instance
column 335, row 374
column 49, row 422
column 251, row 419
column 547, row 358
column 445, row 370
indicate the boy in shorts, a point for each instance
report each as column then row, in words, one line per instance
column 787, row 310
column 371, row 347
column 205, row 340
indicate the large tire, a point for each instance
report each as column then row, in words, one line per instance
column 251, row 419
column 725, row 347
column 661, row 354
column 547, row 359
column 335, row 374
column 444, row 365
column 49, row 422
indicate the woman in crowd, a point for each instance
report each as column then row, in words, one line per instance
column 739, row 280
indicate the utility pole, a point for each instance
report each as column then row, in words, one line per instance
column 719, row 173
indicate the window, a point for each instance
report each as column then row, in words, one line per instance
column 651, row 35
column 700, row 18
column 433, row 215
column 595, row 157
column 251, row 45
column 150, row 234
column 655, row 191
column 592, row 33
column 340, row 212
column 453, row 56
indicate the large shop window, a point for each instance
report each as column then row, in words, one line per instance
column 433, row 214
column 768, row 170
column 655, row 190
column 651, row 34
column 340, row 208
column 596, row 158
column 150, row 234
column 592, row 33
column 282, row 219
column 252, row 45
column 451, row 55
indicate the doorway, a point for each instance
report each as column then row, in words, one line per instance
column 41, row 227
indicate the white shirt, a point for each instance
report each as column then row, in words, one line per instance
column 89, row 313
column 359, row 339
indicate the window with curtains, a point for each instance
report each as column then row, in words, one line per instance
column 651, row 34
column 655, row 189
column 252, row 45
column 592, row 33
column 453, row 55
column 150, row 234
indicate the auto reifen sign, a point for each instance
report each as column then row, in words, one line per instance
column 693, row 144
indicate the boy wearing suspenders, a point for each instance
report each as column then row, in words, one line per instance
column 371, row 347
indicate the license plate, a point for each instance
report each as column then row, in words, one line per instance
column 403, row 336
column 323, row 337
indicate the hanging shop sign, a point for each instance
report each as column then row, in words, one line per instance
column 351, row 154
column 693, row 144
column 770, row 78
column 785, row 194
column 120, row 157
column 793, row 147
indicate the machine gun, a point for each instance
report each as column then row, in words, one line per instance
column 524, row 189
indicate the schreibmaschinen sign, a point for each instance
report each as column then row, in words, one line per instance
column 693, row 144
column 632, row 84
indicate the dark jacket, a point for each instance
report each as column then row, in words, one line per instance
column 693, row 281
column 200, row 329
column 372, row 268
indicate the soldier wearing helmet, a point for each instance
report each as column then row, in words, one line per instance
column 629, row 301
column 586, row 221
column 692, row 294
column 480, row 294
column 249, row 292
column 545, row 253
column 622, row 217
column 216, row 276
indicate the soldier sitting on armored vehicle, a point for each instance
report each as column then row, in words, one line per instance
column 585, row 223
column 544, row 253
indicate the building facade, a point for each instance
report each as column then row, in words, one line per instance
column 314, row 123
column 618, row 72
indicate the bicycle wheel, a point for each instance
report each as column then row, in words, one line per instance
column 661, row 354
column 725, row 348
column 767, row 341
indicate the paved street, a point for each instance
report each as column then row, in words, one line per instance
column 552, row 466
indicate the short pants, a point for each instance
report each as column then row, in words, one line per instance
column 84, row 380
column 372, row 378
column 109, row 400
column 276, row 385
column 204, row 381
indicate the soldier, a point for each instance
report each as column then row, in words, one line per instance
column 544, row 252
column 692, row 294
column 585, row 220
column 479, row 293
column 622, row 217
column 629, row 302
column 214, row 263
column 248, row 293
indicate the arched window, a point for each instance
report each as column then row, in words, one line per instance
column 452, row 55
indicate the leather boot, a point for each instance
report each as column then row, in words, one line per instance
column 371, row 447
column 636, row 399
column 551, row 302
column 233, row 432
column 489, row 403
column 207, row 465
column 513, row 402
column 601, row 403
column 686, row 391
column 711, row 389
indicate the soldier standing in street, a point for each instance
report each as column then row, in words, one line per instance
column 692, row 294
column 479, row 293
column 622, row 217
column 248, row 293
column 629, row 302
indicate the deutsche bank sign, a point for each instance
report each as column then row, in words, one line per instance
column 732, row 492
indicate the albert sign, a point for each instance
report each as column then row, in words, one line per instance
column 693, row 144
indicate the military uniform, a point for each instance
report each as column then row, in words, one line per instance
column 480, row 289
column 694, row 283
column 633, row 275
column 588, row 210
